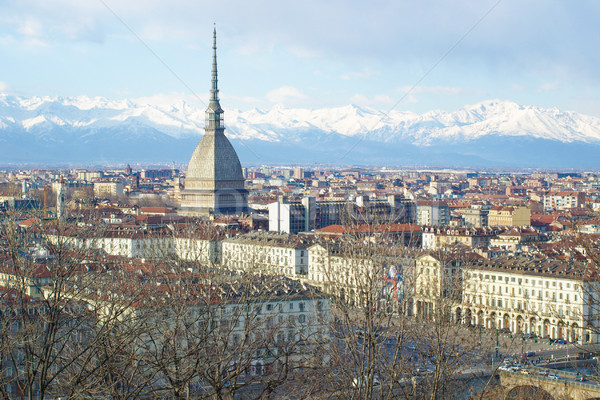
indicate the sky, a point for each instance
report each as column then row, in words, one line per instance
column 403, row 55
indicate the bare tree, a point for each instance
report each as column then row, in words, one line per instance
column 219, row 333
column 386, row 343
column 55, row 330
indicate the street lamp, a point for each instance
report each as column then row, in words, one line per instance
column 497, row 344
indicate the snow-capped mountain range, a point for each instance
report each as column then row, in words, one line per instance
column 494, row 132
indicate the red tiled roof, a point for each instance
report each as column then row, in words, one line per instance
column 566, row 194
column 226, row 220
column 156, row 210
column 542, row 219
column 340, row 229
column 30, row 222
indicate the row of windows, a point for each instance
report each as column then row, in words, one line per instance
column 278, row 306
column 519, row 305
column 540, row 293
column 230, row 248
column 513, row 279
column 301, row 306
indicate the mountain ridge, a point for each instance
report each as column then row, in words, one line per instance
column 89, row 126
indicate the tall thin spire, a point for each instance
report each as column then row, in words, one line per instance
column 214, row 91
column 214, row 111
column 214, row 182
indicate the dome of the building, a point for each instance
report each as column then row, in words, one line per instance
column 214, row 159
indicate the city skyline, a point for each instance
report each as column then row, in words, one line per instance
column 413, row 57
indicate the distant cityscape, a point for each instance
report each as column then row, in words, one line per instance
column 224, row 281
column 517, row 246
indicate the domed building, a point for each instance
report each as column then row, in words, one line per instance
column 214, row 182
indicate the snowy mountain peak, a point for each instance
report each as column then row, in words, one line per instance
column 170, row 118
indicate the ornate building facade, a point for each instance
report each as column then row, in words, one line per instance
column 214, row 182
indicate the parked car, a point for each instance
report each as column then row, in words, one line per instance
column 507, row 365
column 530, row 354
column 504, row 366
column 361, row 333
column 424, row 370
column 561, row 341
column 504, row 330
column 359, row 382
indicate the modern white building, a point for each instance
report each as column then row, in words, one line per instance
column 564, row 200
column 309, row 214
column 476, row 216
column 108, row 189
column 293, row 217
column 431, row 212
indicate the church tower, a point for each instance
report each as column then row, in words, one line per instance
column 61, row 197
column 214, row 183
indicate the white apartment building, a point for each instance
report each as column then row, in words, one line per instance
column 437, row 282
column 548, row 298
column 108, row 189
column 89, row 175
column 310, row 214
column 432, row 213
column 31, row 284
column 435, row 238
column 513, row 239
column 202, row 250
column 564, row 200
column 292, row 217
column 250, row 317
column 131, row 244
column 356, row 274
column 297, row 312
column 476, row 216
column 266, row 253
column 338, row 274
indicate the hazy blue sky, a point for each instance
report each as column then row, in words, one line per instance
column 308, row 53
